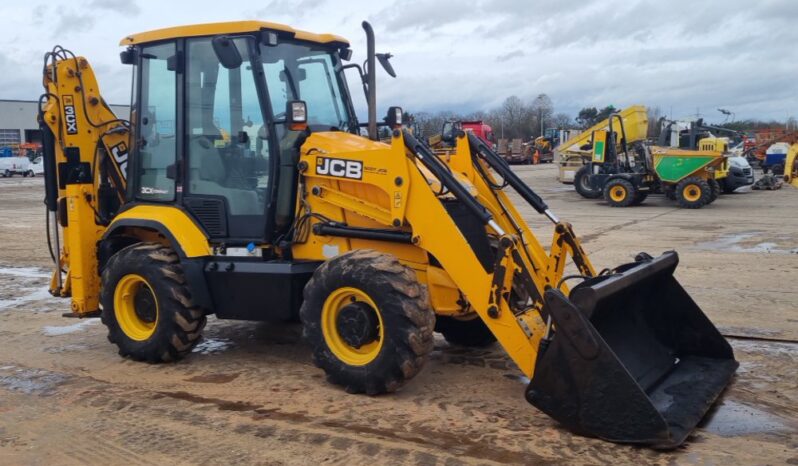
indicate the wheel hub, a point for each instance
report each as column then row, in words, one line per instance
column 144, row 305
column 357, row 324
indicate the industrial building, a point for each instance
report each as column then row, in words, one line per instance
column 18, row 121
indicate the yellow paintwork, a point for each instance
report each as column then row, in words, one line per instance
column 691, row 192
column 230, row 27
column 462, row 276
column 79, row 251
column 392, row 191
column 635, row 123
column 189, row 236
column 350, row 355
column 618, row 193
column 125, row 309
column 76, row 115
column 791, row 166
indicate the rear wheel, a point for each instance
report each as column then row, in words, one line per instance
column 619, row 193
column 693, row 192
column 368, row 321
column 147, row 306
column 714, row 190
column 465, row 332
column 582, row 184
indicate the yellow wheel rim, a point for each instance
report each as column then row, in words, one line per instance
column 617, row 193
column 135, row 307
column 691, row 192
column 343, row 346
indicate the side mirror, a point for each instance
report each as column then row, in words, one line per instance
column 384, row 59
column 394, row 117
column 296, row 115
column 226, row 51
column 128, row 56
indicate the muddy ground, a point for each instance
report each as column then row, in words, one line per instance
column 249, row 393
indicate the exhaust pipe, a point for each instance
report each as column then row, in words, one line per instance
column 371, row 79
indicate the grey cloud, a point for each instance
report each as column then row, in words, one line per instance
column 283, row 8
column 413, row 15
column 70, row 23
column 510, row 55
column 127, row 7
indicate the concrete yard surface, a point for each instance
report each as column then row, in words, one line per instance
column 249, row 393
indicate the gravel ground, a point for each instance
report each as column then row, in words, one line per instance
column 249, row 393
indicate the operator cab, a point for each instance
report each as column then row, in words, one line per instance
column 209, row 120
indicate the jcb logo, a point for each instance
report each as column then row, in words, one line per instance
column 70, row 118
column 338, row 167
column 119, row 153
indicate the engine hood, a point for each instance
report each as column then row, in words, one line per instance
column 338, row 142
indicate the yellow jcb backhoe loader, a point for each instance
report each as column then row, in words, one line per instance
column 242, row 187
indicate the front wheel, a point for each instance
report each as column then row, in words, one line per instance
column 368, row 320
column 619, row 192
column 146, row 305
column 693, row 192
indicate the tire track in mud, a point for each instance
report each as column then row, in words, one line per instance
column 138, row 425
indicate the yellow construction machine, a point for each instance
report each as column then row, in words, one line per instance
column 791, row 166
column 241, row 187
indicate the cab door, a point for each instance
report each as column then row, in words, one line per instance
column 227, row 154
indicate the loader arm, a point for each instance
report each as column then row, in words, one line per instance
column 520, row 265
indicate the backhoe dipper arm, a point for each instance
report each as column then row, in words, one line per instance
column 85, row 152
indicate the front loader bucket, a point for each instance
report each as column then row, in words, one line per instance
column 632, row 359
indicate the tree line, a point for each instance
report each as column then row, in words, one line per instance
column 515, row 118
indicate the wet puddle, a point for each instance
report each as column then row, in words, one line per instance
column 24, row 272
column 30, row 381
column 731, row 419
column 52, row 331
column 212, row 345
column 213, row 378
column 749, row 241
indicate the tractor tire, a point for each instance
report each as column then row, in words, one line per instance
column 471, row 333
column 715, row 190
column 368, row 321
column 146, row 304
column 693, row 192
column 670, row 192
column 640, row 197
column 582, row 186
column 620, row 193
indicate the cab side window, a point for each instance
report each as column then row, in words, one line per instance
column 227, row 140
column 157, row 142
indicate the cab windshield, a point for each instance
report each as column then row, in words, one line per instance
column 308, row 72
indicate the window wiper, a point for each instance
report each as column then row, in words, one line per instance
column 291, row 84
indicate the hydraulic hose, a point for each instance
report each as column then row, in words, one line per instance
column 500, row 166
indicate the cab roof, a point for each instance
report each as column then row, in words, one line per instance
column 231, row 27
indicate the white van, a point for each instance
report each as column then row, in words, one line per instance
column 10, row 166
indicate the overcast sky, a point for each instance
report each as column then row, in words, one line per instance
column 681, row 55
